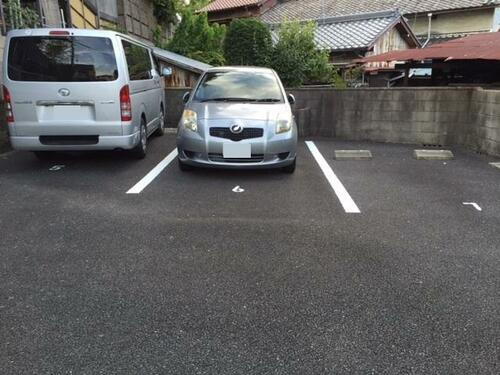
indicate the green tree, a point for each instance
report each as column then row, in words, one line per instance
column 197, row 39
column 166, row 11
column 248, row 42
column 297, row 59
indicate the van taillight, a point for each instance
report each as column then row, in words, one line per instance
column 8, row 104
column 125, row 104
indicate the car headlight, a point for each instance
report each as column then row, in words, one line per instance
column 190, row 120
column 283, row 126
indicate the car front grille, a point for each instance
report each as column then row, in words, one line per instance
column 247, row 133
column 219, row 158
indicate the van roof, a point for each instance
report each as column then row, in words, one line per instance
column 77, row 32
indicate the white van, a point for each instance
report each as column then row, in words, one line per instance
column 77, row 89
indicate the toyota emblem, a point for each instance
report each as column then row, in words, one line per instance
column 236, row 129
column 64, row 92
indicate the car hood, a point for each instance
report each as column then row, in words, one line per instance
column 243, row 111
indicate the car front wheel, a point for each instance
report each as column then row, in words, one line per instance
column 290, row 168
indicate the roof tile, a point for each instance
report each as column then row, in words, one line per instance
column 315, row 9
column 219, row 5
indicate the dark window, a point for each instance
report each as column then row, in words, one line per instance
column 138, row 61
column 62, row 59
column 244, row 86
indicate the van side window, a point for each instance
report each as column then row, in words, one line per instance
column 138, row 61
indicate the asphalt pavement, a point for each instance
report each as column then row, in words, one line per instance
column 250, row 272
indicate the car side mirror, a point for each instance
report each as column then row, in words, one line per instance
column 166, row 72
column 186, row 96
column 291, row 99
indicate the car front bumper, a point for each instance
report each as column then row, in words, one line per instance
column 275, row 152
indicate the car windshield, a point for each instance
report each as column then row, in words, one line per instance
column 239, row 86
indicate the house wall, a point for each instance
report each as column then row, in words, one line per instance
column 136, row 16
column 390, row 41
column 465, row 21
column 82, row 16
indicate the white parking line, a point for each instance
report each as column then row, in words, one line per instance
column 142, row 184
column 473, row 204
column 344, row 197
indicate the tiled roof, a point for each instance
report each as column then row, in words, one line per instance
column 218, row 5
column 314, row 9
column 352, row 32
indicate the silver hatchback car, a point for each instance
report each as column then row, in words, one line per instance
column 238, row 117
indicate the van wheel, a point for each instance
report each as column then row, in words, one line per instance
column 139, row 151
column 44, row 155
column 161, row 126
column 290, row 168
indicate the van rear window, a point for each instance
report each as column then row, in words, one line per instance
column 62, row 59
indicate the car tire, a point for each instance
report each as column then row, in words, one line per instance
column 139, row 151
column 161, row 127
column 44, row 155
column 183, row 166
column 290, row 168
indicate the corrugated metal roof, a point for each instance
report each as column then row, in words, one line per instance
column 219, row 5
column 472, row 47
column 352, row 32
column 315, row 9
column 181, row 61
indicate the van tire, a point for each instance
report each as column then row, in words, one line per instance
column 290, row 168
column 44, row 155
column 161, row 126
column 139, row 151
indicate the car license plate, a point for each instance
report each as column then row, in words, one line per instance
column 236, row 150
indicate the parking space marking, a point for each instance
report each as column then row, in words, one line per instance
column 142, row 184
column 238, row 189
column 337, row 186
column 475, row 205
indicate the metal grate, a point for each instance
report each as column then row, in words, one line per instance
column 247, row 133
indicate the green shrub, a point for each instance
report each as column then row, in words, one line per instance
column 248, row 42
column 297, row 59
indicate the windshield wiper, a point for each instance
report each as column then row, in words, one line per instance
column 268, row 100
column 229, row 100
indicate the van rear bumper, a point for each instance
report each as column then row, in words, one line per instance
column 126, row 142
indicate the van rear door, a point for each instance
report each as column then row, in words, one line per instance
column 64, row 85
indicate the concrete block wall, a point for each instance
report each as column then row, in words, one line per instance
column 411, row 115
column 427, row 116
column 485, row 114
